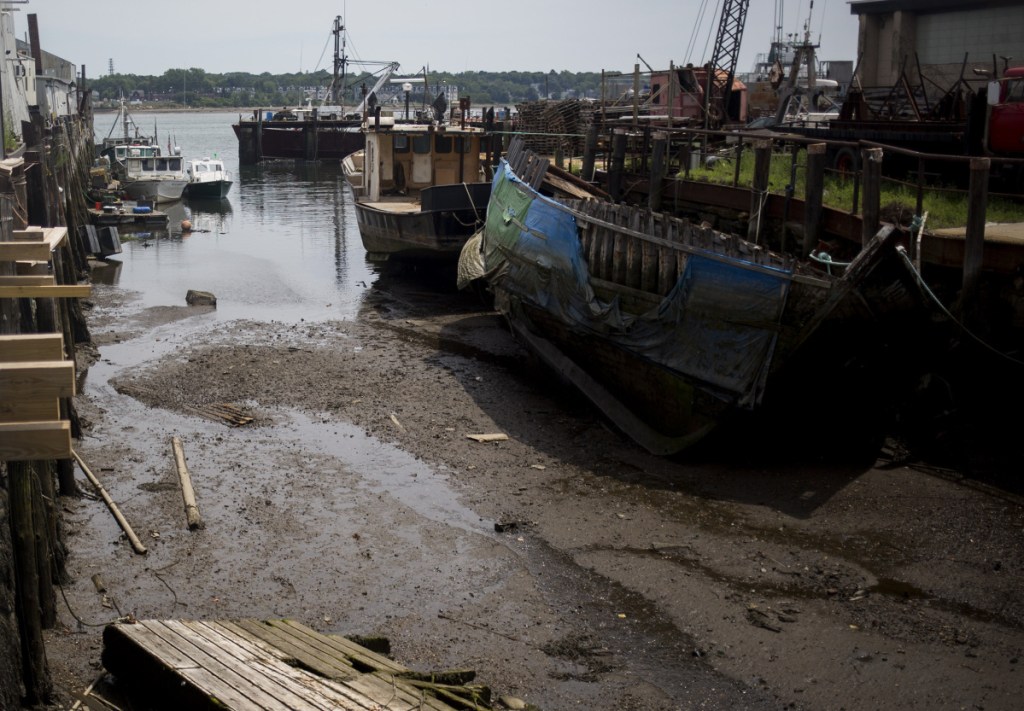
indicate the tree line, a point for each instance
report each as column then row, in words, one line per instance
column 196, row 87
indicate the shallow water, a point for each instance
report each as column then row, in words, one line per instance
column 284, row 245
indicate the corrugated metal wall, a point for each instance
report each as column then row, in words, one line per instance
column 942, row 38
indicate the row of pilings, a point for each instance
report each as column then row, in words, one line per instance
column 42, row 184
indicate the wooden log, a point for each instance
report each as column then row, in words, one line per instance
column 872, row 161
column 618, row 164
column 118, row 516
column 188, row 494
column 589, row 154
column 814, row 191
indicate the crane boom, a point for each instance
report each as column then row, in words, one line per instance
column 724, row 57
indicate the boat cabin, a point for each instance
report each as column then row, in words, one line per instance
column 154, row 166
column 406, row 159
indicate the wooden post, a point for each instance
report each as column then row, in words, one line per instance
column 636, row 95
column 618, row 164
column 759, row 189
column 974, row 240
column 188, row 494
column 35, row 674
column 872, row 162
column 657, row 170
column 671, row 93
column 739, row 161
column 589, row 154
column 813, row 193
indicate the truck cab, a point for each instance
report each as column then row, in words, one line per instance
column 1006, row 114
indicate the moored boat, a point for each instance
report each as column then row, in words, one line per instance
column 420, row 188
column 207, row 179
column 155, row 179
column 671, row 328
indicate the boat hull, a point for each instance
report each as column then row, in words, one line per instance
column 671, row 329
column 157, row 191
column 208, row 190
column 434, row 230
column 299, row 140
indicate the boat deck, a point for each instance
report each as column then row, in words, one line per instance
column 255, row 665
column 396, row 206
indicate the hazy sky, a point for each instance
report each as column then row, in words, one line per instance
column 526, row 35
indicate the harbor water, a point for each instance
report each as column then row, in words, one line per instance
column 284, row 245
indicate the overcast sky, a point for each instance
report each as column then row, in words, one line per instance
column 258, row 36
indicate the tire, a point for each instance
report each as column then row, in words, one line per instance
column 845, row 162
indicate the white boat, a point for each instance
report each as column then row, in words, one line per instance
column 207, row 178
column 154, row 178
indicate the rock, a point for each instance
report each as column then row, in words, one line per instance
column 200, row 298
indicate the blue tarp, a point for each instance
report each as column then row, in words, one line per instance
column 717, row 326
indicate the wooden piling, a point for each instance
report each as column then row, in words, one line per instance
column 589, row 154
column 814, row 191
column 872, row 162
column 657, row 169
column 759, row 189
column 974, row 240
column 618, row 164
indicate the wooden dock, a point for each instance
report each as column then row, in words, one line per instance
column 125, row 217
column 273, row 664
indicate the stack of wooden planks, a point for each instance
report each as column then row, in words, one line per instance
column 34, row 374
column 274, row 664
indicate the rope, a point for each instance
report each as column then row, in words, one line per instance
column 476, row 211
column 920, row 280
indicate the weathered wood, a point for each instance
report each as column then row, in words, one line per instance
column 35, row 410
column 872, row 162
column 759, row 189
column 118, row 516
column 974, row 239
column 327, row 664
column 814, row 192
column 188, row 494
column 657, row 169
column 24, row 529
column 589, row 153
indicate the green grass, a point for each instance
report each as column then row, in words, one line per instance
column 945, row 207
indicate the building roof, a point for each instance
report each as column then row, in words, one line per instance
column 873, row 7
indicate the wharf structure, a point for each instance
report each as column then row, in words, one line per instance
column 44, row 172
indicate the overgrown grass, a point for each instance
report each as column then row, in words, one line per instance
column 945, row 207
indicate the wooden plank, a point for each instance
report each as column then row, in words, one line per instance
column 35, row 410
column 328, row 664
column 135, row 652
column 340, row 644
column 19, row 348
column 37, row 379
column 55, row 236
column 18, row 251
column 28, row 441
column 241, row 646
column 58, row 291
column 29, row 234
column 28, row 280
column 234, row 678
column 261, row 671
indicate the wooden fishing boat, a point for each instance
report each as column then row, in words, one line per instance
column 671, row 328
column 420, row 189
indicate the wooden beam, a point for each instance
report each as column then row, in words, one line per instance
column 36, row 410
column 29, row 234
column 34, row 380
column 28, row 280
column 19, row 348
column 38, row 250
column 27, row 441
column 58, row 291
